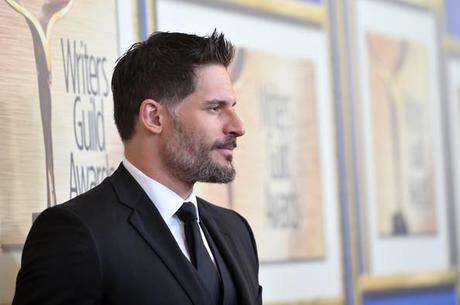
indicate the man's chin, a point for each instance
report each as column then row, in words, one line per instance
column 220, row 174
column 219, row 179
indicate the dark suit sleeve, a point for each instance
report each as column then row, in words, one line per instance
column 59, row 264
column 253, row 240
column 256, row 256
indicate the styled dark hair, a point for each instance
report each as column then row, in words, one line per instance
column 162, row 68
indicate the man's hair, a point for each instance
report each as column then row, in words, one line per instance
column 162, row 68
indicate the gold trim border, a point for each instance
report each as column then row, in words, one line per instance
column 452, row 45
column 136, row 26
column 150, row 7
column 315, row 13
column 426, row 4
column 338, row 301
column 370, row 284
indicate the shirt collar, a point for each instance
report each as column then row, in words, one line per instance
column 165, row 200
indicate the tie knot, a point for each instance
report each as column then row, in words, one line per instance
column 187, row 212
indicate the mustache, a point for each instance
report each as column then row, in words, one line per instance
column 228, row 143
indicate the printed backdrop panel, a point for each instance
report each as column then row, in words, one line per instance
column 280, row 159
column 278, row 182
column 404, row 174
column 59, row 138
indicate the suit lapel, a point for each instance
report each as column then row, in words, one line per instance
column 148, row 222
column 228, row 251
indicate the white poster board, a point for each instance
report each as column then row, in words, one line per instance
column 400, row 245
column 283, row 281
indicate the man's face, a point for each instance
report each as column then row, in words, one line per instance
column 201, row 133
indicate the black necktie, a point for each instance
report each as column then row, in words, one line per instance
column 199, row 256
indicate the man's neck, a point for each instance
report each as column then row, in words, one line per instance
column 159, row 173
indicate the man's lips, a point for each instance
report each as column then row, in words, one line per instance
column 229, row 144
column 226, row 151
column 226, row 148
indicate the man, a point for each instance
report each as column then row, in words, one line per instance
column 142, row 236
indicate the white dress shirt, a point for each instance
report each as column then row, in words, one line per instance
column 167, row 203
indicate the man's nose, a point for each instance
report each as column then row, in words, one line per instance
column 235, row 125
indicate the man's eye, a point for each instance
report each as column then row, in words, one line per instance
column 214, row 108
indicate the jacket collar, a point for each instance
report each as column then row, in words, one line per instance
column 228, row 250
column 148, row 222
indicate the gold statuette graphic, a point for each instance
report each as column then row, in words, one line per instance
column 389, row 73
column 41, row 27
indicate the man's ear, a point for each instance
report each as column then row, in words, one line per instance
column 151, row 115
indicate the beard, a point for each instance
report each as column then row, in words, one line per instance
column 188, row 157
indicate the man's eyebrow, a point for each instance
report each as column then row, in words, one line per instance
column 217, row 102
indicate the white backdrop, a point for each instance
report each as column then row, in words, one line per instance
column 282, row 281
column 409, row 254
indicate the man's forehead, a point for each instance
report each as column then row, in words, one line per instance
column 211, row 71
column 214, row 82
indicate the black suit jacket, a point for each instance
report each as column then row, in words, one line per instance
column 111, row 246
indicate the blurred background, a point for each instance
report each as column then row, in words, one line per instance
column 349, row 172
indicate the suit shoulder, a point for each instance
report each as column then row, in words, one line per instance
column 75, row 209
column 218, row 211
column 228, row 218
column 98, row 198
column 102, row 190
column 93, row 207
